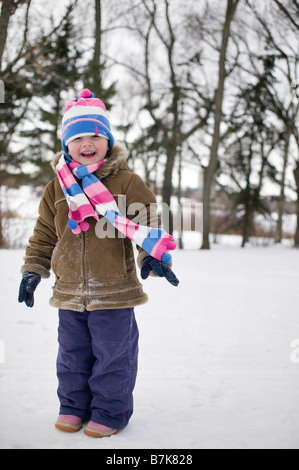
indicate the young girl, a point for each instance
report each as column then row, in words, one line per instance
column 83, row 236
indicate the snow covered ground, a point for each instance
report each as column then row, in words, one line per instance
column 218, row 367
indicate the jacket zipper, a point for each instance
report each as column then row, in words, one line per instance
column 83, row 234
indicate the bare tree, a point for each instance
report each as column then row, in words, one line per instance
column 166, row 86
column 8, row 9
column 279, row 33
column 231, row 7
column 290, row 11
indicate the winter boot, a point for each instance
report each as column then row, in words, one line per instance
column 68, row 423
column 99, row 430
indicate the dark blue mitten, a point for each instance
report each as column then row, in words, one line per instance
column 159, row 268
column 28, row 285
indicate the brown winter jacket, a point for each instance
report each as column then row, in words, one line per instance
column 91, row 272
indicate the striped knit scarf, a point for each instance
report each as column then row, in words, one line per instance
column 95, row 199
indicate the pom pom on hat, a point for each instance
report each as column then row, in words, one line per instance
column 86, row 93
column 85, row 115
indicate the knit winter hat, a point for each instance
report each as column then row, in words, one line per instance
column 85, row 115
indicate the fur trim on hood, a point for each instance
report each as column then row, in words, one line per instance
column 116, row 160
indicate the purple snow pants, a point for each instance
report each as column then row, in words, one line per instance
column 97, row 364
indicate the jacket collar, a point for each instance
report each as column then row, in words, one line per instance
column 116, row 161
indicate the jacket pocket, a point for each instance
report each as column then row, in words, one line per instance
column 66, row 259
column 106, row 259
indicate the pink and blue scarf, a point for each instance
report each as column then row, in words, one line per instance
column 94, row 199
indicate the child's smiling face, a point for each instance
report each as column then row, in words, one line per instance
column 88, row 149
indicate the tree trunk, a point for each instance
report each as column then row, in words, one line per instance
column 248, row 224
column 57, row 117
column 167, row 187
column 278, row 235
column 248, row 216
column 7, row 10
column 296, row 176
column 98, row 44
column 211, row 168
column 174, row 136
column 180, row 213
column 94, row 76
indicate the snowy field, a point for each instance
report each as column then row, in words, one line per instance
column 218, row 364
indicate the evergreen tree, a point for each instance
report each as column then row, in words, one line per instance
column 53, row 72
column 250, row 139
column 35, row 77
